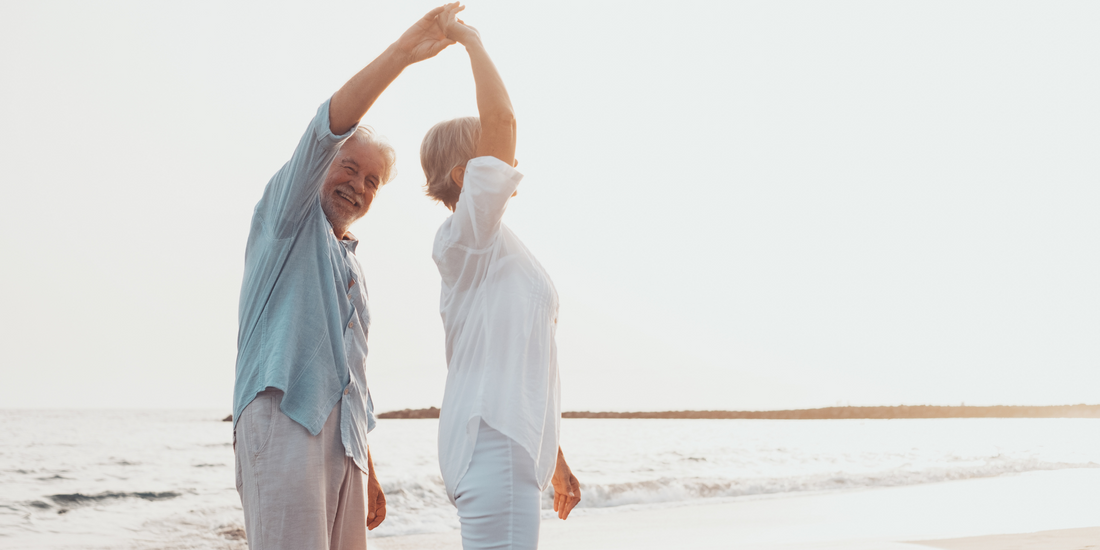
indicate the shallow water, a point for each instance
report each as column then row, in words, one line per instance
column 164, row 479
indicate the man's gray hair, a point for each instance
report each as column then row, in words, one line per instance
column 367, row 136
column 448, row 144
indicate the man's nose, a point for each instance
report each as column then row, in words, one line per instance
column 358, row 185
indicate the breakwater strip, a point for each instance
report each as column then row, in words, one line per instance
column 899, row 411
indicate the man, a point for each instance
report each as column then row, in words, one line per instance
column 301, row 407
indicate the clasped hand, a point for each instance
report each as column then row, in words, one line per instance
column 454, row 28
column 435, row 31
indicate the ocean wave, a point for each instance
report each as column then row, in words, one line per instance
column 420, row 505
column 667, row 490
column 81, row 498
column 415, row 506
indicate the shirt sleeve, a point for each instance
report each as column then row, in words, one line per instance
column 486, row 188
column 292, row 189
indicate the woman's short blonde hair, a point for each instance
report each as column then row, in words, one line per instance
column 448, row 144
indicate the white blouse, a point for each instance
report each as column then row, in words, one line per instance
column 500, row 313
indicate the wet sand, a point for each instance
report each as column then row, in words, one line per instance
column 1061, row 539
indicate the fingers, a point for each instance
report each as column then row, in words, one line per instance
column 453, row 8
column 570, row 503
column 377, row 513
column 571, row 499
column 450, row 25
column 380, row 518
column 450, row 12
column 563, row 503
column 446, row 16
column 567, row 506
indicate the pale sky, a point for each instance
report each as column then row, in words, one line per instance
column 743, row 205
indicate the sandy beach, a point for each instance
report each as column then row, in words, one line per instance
column 1059, row 539
column 1051, row 510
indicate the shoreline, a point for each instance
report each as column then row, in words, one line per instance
column 1052, row 508
column 825, row 413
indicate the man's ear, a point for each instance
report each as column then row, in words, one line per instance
column 457, row 173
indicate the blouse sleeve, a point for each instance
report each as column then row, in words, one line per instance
column 486, row 188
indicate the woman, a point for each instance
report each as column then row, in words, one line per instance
column 498, row 428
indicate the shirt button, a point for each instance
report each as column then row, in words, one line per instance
column 351, row 324
column 346, row 390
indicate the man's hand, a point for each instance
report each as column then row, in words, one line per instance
column 567, row 490
column 424, row 39
column 376, row 504
column 376, row 499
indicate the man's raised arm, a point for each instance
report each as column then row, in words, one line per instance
column 423, row 40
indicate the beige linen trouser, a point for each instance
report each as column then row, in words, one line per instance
column 299, row 492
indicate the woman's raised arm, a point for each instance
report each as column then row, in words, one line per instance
column 498, row 121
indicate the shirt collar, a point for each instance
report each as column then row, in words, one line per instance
column 350, row 241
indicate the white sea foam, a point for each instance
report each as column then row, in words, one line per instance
column 165, row 479
column 664, row 490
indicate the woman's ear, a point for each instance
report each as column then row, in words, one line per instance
column 457, row 173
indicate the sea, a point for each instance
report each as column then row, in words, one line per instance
column 165, row 479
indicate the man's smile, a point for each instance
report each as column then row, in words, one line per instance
column 347, row 197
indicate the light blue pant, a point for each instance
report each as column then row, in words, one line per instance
column 498, row 498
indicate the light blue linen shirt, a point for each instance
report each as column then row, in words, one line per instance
column 304, row 317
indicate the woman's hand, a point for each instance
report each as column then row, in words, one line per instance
column 567, row 490
column 424, row 39
column 454, row 28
